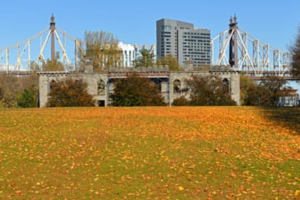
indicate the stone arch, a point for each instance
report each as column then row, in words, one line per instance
column 51, row 84
column 76, row 81
column 101, row 87
column 226, row 83
column 177, row 85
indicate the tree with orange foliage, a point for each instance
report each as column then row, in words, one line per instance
column 70, row 93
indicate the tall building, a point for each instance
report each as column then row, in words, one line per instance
column 183, row 41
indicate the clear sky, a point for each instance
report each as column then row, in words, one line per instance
column 132, row 21
column 274, row 22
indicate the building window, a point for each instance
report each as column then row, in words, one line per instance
column 52, row 84
column 226, row 84
column 177, row 86
column 166, row 27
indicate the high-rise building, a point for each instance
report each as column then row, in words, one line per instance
column 183, row 41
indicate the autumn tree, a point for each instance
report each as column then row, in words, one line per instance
column 181, row 101
column 145, row 60
column 8, row 89
column 268, row 90
column 102, row 48
column 55, row 65
column 248, row 90
column 69, row 93
column 34, row 67
column 136, row 91
column 171, row 62
column 209, row 91
column 263, row 93
column 295, row 50
column 11, row 87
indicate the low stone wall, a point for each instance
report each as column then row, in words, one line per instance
column 100, row 83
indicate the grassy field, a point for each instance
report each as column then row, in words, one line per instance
column 150, row 153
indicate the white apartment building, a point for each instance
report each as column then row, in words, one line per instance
column 130, row 53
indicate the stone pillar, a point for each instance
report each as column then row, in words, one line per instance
column 43, row 90
column 235, row 88
column 171, row 88
column 45, row 79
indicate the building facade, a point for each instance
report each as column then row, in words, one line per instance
column 101, row 84
column 183, row 41
column 130, row 53
column 288, row 97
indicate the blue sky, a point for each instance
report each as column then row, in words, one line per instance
column 132, row 21
column 274, row 22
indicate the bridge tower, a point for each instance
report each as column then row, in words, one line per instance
column 233, row 45
column 52, row 28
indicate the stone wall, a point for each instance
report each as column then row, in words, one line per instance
column 100, row 83
column 45, row 79
column 231, row 76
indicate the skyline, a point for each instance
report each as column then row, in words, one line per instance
column 135, row 23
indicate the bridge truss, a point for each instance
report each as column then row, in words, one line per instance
column 247, row 54
column 233, row 47
column 22, row 56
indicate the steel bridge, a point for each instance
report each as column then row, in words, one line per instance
column 30, row 54
column 247, row 54
column 233, row 47
column 20, row 57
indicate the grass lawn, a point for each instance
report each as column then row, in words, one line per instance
column 150, row 153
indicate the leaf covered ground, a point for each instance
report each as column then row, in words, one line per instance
column 150, row 153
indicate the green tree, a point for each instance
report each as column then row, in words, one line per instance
column 171, row 62
column 145, row 60
column 136, row 91
column 70, row 93
column 209, row 91
column 102, row 48
column 295, row 50
column 27, row 99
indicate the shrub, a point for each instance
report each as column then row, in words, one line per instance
column 181, row 102
column 27, row 99
column 136, row 91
